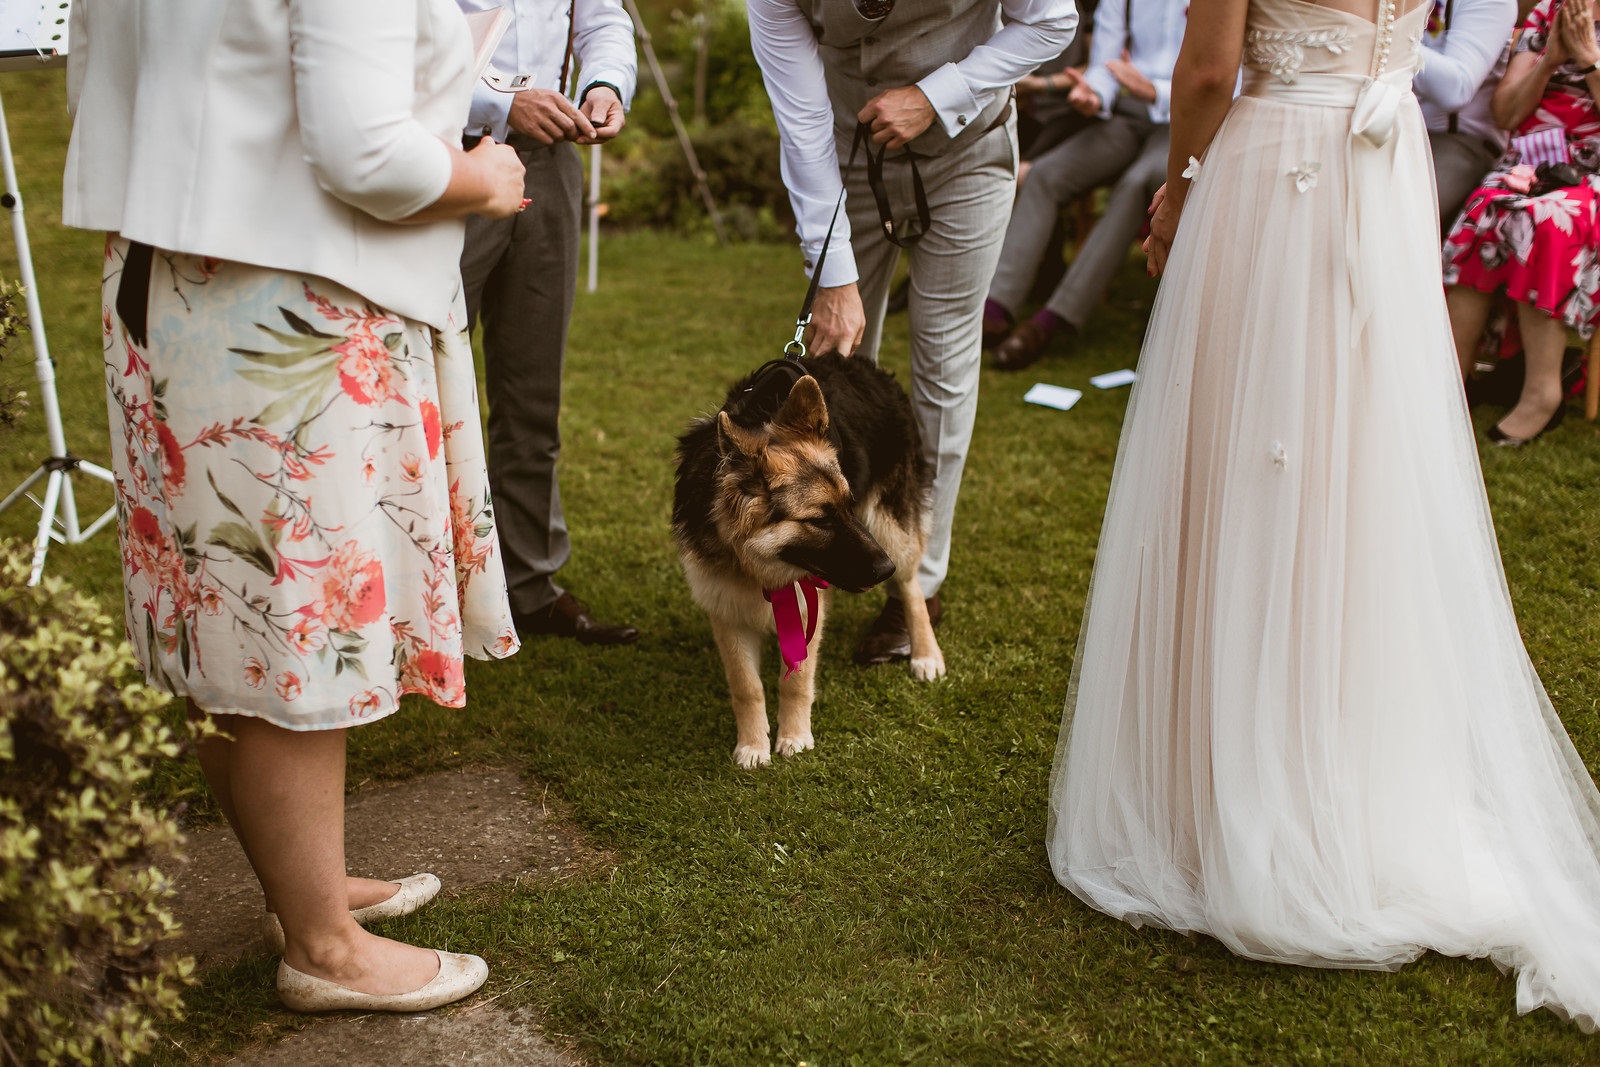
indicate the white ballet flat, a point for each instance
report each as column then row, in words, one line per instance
column 413, row 893
column 460, row 975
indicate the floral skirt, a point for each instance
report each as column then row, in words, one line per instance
column 301, row 493
column 1539, row 250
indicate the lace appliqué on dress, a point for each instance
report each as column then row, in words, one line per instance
column 1283, row 52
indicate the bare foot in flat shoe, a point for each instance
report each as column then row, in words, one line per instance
column 367, row 963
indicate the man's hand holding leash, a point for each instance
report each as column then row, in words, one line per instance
column 898, row 116
column 838, row 321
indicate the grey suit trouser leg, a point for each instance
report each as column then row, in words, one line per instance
column 1091, row 158
column 520, row 276
column 1105, row 249
column 969, row 196
column 1460, row 163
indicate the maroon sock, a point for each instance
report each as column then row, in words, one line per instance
column 995, row 315
column 1048, row 321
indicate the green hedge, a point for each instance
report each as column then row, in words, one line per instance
column 83, row 888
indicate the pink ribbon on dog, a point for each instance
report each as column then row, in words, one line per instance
column 794, row 638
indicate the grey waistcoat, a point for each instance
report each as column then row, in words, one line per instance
column 862, row 58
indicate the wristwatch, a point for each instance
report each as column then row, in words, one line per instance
column 1590, row 69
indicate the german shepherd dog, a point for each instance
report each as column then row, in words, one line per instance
column 829, row 482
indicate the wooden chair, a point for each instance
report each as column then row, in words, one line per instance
column 1591, row 396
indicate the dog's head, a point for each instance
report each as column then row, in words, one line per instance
column 783, row 503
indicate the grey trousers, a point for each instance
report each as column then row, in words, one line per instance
column 520, row 276
column 1460, row 163
column 969, row 197
column 1128, row 151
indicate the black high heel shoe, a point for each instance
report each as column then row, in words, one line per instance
column 1505, row 440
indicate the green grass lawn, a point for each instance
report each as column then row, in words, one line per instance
column 884, row 899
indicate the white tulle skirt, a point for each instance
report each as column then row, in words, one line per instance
column 1301, row 717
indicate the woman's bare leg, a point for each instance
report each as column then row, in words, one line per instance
column 286, row 789
column 215, row 754
column 1469, row 314
column 1544, row 339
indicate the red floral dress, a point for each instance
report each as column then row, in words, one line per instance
column 302, row 498
column 1539, row 250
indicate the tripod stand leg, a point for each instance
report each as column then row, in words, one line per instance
column 47, row 518
column 20, row 491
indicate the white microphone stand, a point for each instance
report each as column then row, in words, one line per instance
column 58, row 468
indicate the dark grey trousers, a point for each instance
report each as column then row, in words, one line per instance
column 1105, row 152
column 1460, row 163
column 520, row 276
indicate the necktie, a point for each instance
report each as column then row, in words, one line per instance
column 874, row 9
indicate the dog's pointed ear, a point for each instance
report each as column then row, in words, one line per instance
column 733, row 439
column 804, row 412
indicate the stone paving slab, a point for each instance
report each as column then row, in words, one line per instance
column 469, row 827
column 480, row 1036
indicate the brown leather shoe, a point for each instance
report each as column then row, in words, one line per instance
column 996, row 328
column 888, row 640
column 567, row 617
column 1022, row 348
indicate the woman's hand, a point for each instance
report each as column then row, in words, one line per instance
column 499, row 172
column 1164, row 213
column 1575, row 28
column 1556, row 51
column 486, row 181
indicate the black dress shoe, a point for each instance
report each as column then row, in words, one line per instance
column 1505, row 440
column 888, row 640
column 567, row 617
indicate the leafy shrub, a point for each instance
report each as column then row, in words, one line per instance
column 12, row 400
column 647, row 179
column 83, row 900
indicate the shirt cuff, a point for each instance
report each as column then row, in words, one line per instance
column 490, row 110
column 1161, row 110
column 1105, row 85
column 838, row 269
column 951, row 97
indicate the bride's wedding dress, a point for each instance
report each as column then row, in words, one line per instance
column 1301, row 717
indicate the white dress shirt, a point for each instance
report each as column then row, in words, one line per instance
column 536, row 45
column 288, row 135
column 1151, row 32
column 785, row 46
column 1463, row 65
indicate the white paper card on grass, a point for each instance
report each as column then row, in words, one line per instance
column 1114, row 379
column 1053, row 396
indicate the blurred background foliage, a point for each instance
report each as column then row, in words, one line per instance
column 704, row 49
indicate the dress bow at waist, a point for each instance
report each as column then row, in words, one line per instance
column 1375, row 102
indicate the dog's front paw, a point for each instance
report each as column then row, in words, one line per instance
column 793, row 746
column 749, row 757
column 928, row 668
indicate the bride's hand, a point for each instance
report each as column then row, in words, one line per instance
column 1163, row 227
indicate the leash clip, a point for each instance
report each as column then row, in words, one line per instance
column 796, row 349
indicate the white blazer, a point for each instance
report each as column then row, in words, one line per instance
column 281, row 133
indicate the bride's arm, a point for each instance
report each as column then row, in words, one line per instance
column 1202, row 91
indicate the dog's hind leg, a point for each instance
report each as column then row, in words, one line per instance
column 741, row 660
column 797, row 691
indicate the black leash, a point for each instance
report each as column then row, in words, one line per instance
column 779, row 375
